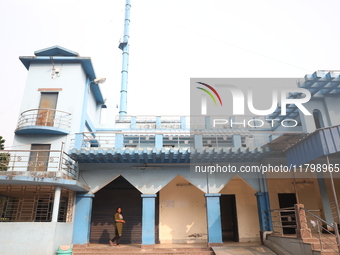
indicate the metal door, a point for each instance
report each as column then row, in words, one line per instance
column 46, row 112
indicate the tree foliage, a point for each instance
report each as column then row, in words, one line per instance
column 2, row 143
column 4, row 157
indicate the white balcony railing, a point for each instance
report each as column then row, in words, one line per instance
column 45, row 117
column 37, row 161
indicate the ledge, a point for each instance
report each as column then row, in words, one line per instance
column 41, row 178
column 38, row 130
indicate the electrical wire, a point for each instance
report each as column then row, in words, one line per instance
column 227, row 43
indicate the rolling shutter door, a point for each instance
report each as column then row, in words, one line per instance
column 119, row 193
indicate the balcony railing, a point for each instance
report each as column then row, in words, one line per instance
column 169, row 139
column 46, row 118
column 29, row 161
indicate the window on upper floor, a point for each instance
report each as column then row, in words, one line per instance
column 318, row 119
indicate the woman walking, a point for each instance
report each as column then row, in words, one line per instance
column 118, row 217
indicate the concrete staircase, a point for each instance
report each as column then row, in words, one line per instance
column 94, row 249
column 284, row 245
column 329, row 246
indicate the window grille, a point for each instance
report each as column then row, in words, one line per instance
column 33, row 204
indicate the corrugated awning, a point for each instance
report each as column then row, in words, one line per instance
column 321, row 142
column 285, row 141
column 171, row 155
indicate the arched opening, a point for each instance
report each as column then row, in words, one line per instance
column 318, row 119
column 239, row 213
column 118, row 193
column 182, row 213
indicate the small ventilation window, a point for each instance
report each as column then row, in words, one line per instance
column 318, row 119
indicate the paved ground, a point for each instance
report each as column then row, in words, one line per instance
column 246, row 250
column 231, row 248
column 228, row 248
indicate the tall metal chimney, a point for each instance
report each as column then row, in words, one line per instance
column 124, row 46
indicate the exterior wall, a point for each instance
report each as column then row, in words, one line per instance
column 246, row 209
column 72, row 80
column 23, row 142
column 329, row 188
column 36, row 237
column 182, row 213
column 93, row 111
column 332, row 104
column 307, row 192
column 308, row 121
column 147, row 181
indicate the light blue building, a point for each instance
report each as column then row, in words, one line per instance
column 68, row 172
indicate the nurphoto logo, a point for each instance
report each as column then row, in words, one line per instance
column 249, row 102
column 238, row 99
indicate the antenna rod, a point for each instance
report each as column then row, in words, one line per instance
column 124, row 46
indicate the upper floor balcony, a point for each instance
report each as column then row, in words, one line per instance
column 44, row 121
column 168, row 146
column 40, row 167
column 38, row 163
column 177, row 139
column 144, row 122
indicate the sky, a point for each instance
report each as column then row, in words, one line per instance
column 171, row 41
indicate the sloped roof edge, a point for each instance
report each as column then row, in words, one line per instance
column 56, row 51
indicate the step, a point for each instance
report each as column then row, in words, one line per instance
column 327, row 246
column 316, row 240
column 130, row 251
column 329, row 252
column 137, row 252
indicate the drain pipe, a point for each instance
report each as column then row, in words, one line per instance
column 124, row 46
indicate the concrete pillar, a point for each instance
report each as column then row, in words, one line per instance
column 119, row 142
column 302, row 230
column 148, row 219
column 324, row 198
column 198, row 141
column 133, row 122
column 237, row 143
column 214, row 219
column 56, row 203
column 82, row 219
column 158, row 122
column 183, row 122
column 78, row 141
column 207, row 122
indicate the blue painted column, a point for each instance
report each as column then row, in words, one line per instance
column 198, row 141
column 148, row 219
column 237, row 143
column 263, row 205
column 183, row 122
column 82, row 219
column 158, row 122
column 158, row 142
column 133, row 122
column 214, row 219
column 207, row 122
column 78, row 141
column 119, row 142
